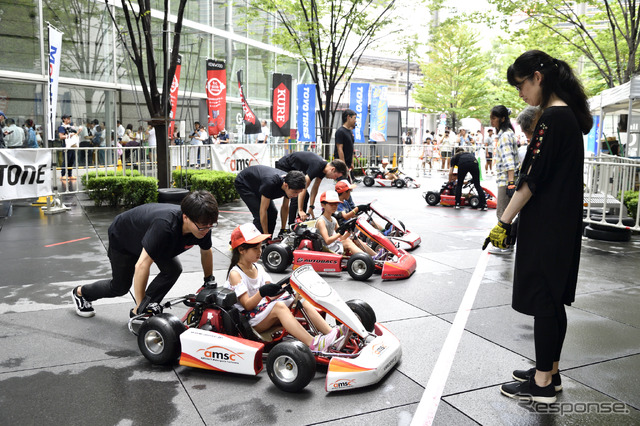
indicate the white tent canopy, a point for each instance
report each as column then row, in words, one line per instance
column 623, row 99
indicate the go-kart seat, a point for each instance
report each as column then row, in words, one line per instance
column 251, row 333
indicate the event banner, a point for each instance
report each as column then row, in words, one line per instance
column 251, row 124
column 173, row 96
column 25, row 173
column 216, row 95
column 306, row 112
column 379, row 114
column 281, row 105
column 55, row 50
column 231, row 157
column 359, row 102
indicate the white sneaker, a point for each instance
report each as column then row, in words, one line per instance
column 496, row 250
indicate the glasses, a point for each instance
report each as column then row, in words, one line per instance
column 519, row 85
column 205, row 228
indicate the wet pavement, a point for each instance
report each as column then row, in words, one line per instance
column 59, row 368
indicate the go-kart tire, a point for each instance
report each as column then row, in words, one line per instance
column 474, row 201
column 276, row 258
column 172, row 195
column 432, row 198
column 368, row 181
column 291, row 366
column 364, row 312
column 159, row 338
column 399, row 183
column 614, row 234
column 360, row 266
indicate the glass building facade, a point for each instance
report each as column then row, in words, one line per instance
column 99, row 81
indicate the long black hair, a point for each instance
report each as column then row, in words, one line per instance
column 235, row 255
column 502, row 111
column 557, row 78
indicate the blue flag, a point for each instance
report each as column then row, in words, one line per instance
column 307, row 112
column 359, row 102
column 379, row 114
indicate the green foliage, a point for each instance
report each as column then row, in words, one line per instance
column 631, row 202
column 122, row 191
column 126, row 172
column 455, row 81
column 219, row 183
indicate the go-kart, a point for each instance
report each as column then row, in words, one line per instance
column 393, row 228
column 447, row 196
column 213, row 335
column 376, row 176
column 303, row 245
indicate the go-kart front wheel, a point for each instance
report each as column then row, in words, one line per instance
column 291, row 366
column 364, row 312
column 432, row 198
column 360, row 266
column 474, row 201
column 399, row 183
column 276, row 258
column 159, row 338
column 368, row 181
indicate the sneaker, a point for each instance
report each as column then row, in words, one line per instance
column 342, row 337
column 456, row 206
column 83, row 307
column 322, row 343
column 529, row 391
column 484, row 208
column 524, row 375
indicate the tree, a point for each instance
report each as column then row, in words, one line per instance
column 330, row 36
column 138, row 42
column 606, row 33
column 455, row 79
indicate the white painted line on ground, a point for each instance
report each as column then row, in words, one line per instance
column 430, row 400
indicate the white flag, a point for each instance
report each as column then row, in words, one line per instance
column 55, row 48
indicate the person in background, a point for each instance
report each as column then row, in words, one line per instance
column 223, row 136
column 32, row 141
column 2, row 118
column 263, row 137
column 527, row 120
column 13, row 135
column 119, row 130
column 489, row 145
column 344, row 141
column 445, row 145
column 65, row 132
column 548, row 199
column 467, row 164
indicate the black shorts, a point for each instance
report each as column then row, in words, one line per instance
column 446, row 154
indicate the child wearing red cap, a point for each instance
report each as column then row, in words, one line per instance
column 253, row 286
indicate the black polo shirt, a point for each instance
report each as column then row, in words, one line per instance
column 344, row 137
column 263, row 180
column 307, row 162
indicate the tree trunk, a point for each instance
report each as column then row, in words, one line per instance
column 164, row 166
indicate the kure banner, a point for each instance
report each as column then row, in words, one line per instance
column 359, row 102
column 251, row 124
column 281, row 105
column 216, row 95
column 306, row 112
column 173, row 96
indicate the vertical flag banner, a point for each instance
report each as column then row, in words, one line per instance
column 281, row 105
column 55, row 50
column 216, row 95
column 379, row 113
column 173, row 96
column 251, row 124
column 307, row 112
column 359, row 102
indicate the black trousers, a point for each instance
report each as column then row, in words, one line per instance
column 471, row 168
column 71, row 161
column 123, row 267
column 548, row 335
column 253, row 203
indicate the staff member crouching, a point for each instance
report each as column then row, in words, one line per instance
column 147, row 234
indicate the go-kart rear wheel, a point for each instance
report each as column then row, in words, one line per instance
column 276, row 258
column 364, row 312
column 399, row 183
column 291, row 366
column 360, row 266
column 432, row 198
column 159, row 338
column 474, row 201
column 368, row 181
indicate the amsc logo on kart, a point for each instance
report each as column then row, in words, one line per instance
column 221, row 354
column 378, row 348
column 343, row 384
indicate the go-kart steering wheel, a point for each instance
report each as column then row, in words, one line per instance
column 348, row 225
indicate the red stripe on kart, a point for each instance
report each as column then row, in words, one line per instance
column 339, row 365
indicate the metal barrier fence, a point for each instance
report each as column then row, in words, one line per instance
column 607, row 180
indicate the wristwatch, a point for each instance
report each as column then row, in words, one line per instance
column 312, row 207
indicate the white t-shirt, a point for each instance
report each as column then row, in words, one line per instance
column 152, row 137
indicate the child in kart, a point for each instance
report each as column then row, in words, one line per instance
column 389, row 172
column 258, row 296
column 328, row 228
column 347, row 208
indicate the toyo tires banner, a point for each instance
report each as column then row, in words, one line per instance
column 379, row 114
column 25, row 173
column 359, row 102
column 306, row 112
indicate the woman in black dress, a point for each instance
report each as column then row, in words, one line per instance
column 549, row 200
